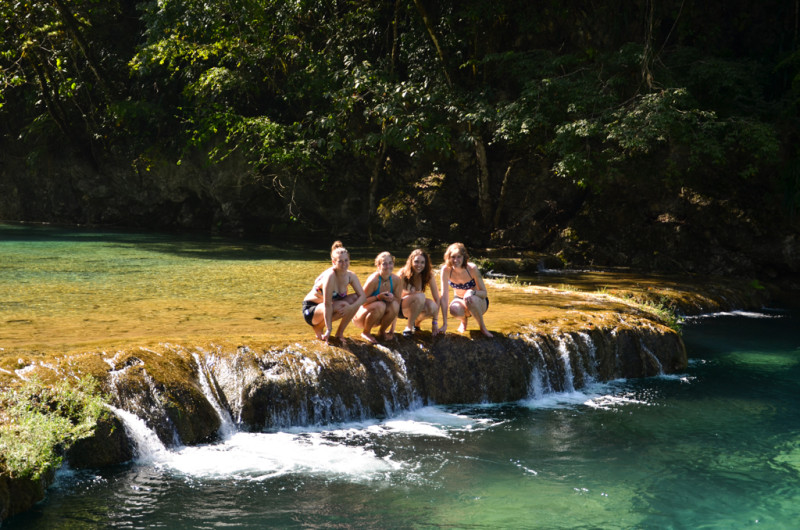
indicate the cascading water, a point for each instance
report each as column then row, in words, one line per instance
column 217, row 392
column 226, row 423
column 563, row 350
column 147, row 446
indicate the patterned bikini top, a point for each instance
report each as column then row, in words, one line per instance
column 335, row 295
column 463, row 286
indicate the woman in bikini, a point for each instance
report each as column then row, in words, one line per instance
column 470, row 297
column 417, row 275
column 328, row 299
column 383, row 301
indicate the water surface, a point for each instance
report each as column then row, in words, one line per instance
column 67, row 289
column 715, row 447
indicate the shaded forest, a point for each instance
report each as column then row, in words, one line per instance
column 660, row 135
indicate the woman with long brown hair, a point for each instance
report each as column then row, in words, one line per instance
column 417, row 275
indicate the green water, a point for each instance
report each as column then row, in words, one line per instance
column 715, row 447
column 63, row 289
column 67, row 290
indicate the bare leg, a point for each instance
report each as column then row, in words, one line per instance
column 477, row 308
column 373, row 315
column 412, row 306
column 459, row 310
column 388, row 321
column 346, row 310
column 318, row 321
column 430, row 309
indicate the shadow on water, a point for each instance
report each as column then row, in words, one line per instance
column 180, row 244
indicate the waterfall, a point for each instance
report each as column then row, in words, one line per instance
column 540, row 383
column 561, row 363
column 228, row 390
column 146, row 443
column 226, row 426
column 401, row 394
column 590, row 358
column 569, row 378
column 137, row 391
column 653, row 358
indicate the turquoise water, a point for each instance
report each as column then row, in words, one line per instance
column 715, row 447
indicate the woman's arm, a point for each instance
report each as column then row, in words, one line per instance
column 445, row 303
column 481, row 290
column 370, row 287
column 357, row 288
column 327, row 300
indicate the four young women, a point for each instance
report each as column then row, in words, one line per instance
column 387, row 296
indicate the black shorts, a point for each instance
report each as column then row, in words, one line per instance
column 308, row 311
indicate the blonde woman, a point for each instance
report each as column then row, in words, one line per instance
column 470, row 297
column 328, row 299
column 417, row 275
column 383, row 301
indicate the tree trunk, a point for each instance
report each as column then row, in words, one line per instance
column 74, row 31
column 503, row 190
column 484, row 200
column 374, row 179
column 432, row 34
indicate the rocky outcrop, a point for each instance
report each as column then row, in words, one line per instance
column 182, row 393
column 19, row 494
column 108, row 445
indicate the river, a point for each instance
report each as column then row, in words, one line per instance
column 715, row 447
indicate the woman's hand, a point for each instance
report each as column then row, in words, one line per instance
column 386, row 297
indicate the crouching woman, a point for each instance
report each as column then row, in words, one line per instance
column 328, row 299
column 470, row 297
column 383, row 300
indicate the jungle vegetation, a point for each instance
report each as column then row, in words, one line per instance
column 499, row 121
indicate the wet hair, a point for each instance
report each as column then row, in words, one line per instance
column 456, row 247
column 338, row 248
column 407, row 272
column 379, row 258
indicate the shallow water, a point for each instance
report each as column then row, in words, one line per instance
column 66, row 289
column 715, row 447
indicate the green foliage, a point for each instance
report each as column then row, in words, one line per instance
column 662, row 309
column 39, row 422
column 300, row 90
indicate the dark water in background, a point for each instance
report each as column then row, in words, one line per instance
column 715, row 447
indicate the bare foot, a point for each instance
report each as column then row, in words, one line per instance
column 434, row 328
column 369, row 338
column 486, row 332
column 389, row 335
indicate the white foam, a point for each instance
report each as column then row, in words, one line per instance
column 738, row 313
column 260, row 456
column 336, row 451
column 596, row 395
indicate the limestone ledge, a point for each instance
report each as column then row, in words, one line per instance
column 179, row 390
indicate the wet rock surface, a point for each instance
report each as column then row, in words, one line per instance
column 566, row 340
